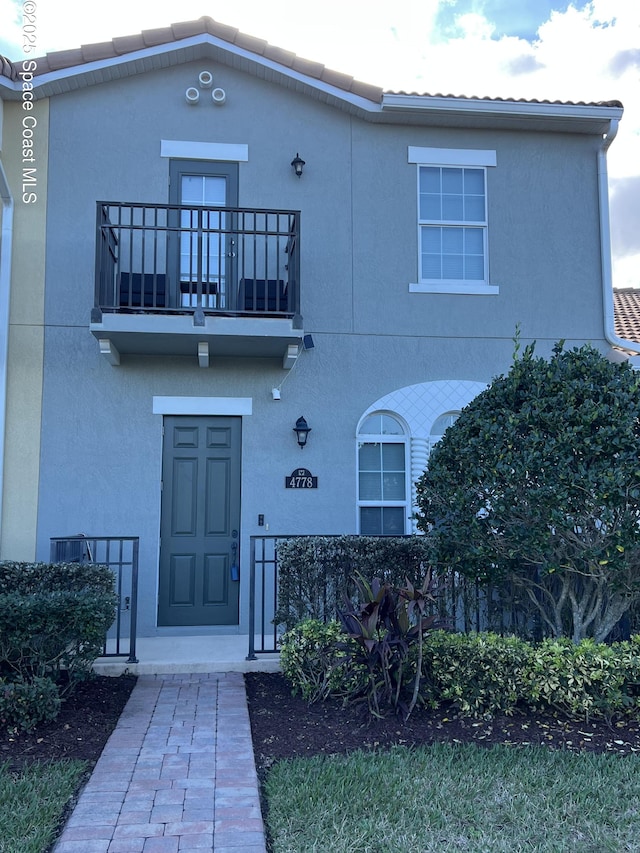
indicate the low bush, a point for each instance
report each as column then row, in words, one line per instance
column 585, row 680
column 53, row 619
column 26, row 704
column 54, row 577
column 310, row 659
column 480, row 674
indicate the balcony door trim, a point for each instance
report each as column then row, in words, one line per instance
column 232, row 152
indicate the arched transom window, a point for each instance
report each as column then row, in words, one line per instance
column 383, row 502
column 440, row 426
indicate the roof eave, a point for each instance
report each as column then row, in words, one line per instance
column 484, row 112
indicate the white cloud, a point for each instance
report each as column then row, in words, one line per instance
column 626, row 271
column 475, row 26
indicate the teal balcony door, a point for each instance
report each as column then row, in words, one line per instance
column 200, row 521
column 206, row 244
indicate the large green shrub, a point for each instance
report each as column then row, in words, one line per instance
column 538, row 482
column 53, row 617
column 314, row 572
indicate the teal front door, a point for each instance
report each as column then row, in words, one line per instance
column 200, row 523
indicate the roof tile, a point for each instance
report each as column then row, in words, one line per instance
column 277, row 54
column 160, row 35
column 338, row 79
column 368, row 91
column 44, row 66
column 508, row 100
column 308, row 67
column 221, row 31
column 63, row 59
column 127, row 44
column 255, row 45
column 7, row 68
column 97, row 51
column 186, row 29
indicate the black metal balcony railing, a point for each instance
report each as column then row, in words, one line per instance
column 177, row 259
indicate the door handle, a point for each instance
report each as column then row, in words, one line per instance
column 235, row 569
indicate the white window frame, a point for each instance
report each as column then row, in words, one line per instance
column 460, row 158
column 378, row 438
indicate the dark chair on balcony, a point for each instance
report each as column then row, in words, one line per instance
column 262, row 294
column 142, row 290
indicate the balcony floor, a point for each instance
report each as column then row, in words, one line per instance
column 163, row 334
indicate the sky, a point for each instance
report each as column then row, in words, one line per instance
column 586, row 50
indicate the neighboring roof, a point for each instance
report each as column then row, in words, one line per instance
column 626, row 309
column 66, row 70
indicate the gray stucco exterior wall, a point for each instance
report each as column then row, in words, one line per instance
column 100, row 465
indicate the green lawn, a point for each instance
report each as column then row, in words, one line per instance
column 456, row 798
column 32, row 804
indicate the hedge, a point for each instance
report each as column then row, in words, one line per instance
column 315, row 572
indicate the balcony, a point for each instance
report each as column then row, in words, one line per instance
column 203, row 281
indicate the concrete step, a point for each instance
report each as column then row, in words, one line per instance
column 159, row 655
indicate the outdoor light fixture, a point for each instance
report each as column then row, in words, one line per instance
column 302, row 430
column 297, row 164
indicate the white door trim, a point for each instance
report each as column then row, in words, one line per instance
column 202, row 405
column 186, row 150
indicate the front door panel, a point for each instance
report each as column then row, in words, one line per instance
column 200, row 522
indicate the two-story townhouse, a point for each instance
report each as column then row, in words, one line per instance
column 234, row 238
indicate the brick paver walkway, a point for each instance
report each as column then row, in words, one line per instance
column 176, row 776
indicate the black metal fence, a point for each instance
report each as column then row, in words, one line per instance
column 263, row 595
column 120, row 554
column 463, row 604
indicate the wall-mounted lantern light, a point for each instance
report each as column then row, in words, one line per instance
column 302, row 430
column 297, row 164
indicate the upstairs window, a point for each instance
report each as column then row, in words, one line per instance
column 382, row 478
column 453, row 226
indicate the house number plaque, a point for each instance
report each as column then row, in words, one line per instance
column 301, row 478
